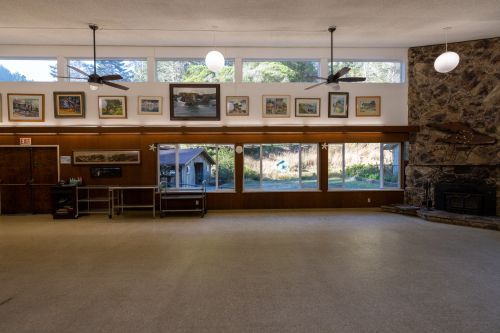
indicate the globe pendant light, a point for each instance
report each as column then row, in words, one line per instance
column 448, row 60
column 214, row 59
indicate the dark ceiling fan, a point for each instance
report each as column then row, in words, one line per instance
column 334, row 79
column 94, row 78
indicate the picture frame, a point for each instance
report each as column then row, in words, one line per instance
column 368, row 106
column 92, row 157
column 275, row 106
column 112, row 107
column 194, row 101
column 338, row 105
column 307, row 107
column 237, row 105
column 26, row 107
column 69, row 104
column 150, row 105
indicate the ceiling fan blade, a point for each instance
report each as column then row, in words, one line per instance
column 352, row 79
column 114, row 85
column 316, row 77
column 340, row 73
column 78, row 70
column 111, row 77
column 315, row 85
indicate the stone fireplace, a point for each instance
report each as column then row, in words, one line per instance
column 456, row 153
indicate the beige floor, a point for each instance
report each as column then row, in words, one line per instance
column 261, row 271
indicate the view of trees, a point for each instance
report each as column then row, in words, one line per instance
column 280, row 71
column 374, row 71
column 8, row 76
column 192, row 70
column 133, row 70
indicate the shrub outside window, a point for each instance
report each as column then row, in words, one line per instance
column 280, row 70
column 192, row 71
column 22, row 70
column 280, row 167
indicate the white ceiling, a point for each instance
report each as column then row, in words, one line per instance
column 274, row 23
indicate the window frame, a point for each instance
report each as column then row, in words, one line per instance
column 202, row 62
column 69, row 59
column 402, row 74
column 244, row 60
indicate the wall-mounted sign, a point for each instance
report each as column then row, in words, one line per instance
column 25, row 141
column 65, row 159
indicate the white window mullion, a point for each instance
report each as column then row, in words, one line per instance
column 300, row 165
column 343, row 165
column 381, row 165
column 260, row 166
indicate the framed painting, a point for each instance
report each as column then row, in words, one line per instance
column 367, row 106
column 237, row 106
column 338, row 105
column 307, row 107
column 194, row 101
column 69, row 104
column 150, row 105
column 275, row 106
column 112, row 106
column 106, row 157
column 26, row 107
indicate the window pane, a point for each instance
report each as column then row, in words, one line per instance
column 374, row 71
column 36, row 70
column 309, row 167
column 335, row 171
column 225, row 162
column 132, row 70
column 192, row 70
column 275, row 70
column 391, row 153
column 280, row 167
column 167, row 158
column 251, row 167
column 362, row 165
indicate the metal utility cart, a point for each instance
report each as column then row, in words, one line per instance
column 194, row 197
column 93, row 199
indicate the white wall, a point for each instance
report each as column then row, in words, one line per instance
column 394, row 97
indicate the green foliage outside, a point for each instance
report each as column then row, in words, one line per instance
column 365, row 171
column 280, row 71
column 375, row 71
column 130, row 70
column 192, row 71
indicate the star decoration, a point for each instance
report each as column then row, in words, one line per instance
column 324, row 146
column 152, row 147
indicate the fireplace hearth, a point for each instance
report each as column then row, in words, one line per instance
column 465, row 198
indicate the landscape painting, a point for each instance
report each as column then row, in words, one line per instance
column 150, row 105
column 106, row 157
column 368, row 106
column 69, row 104
column 307, row 107
column 112, row 106
column 275, row 106
column 237, row 106
column 195, row 102
column 338, row 105
column 26, row 107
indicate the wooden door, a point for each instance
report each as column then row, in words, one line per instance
column 43, row 175
column 15, row 173
column 26, row 174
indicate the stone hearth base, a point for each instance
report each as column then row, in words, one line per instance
column 485, row 222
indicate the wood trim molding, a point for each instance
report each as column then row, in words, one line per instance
column 46, row 130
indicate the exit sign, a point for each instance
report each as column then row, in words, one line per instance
column 25, row 141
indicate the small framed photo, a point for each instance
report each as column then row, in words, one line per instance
column 26, row 107
column 367, row 106
column 307, row 107
column 275, row 106
column 150, row 105
column 112, row 106
column 237, row 106
column 338, row 105
column 194, row 101
column 69, row 104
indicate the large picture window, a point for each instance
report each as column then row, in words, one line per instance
column 363, row 166
column 280, row 167
column 279, row 70
column 191, row 164
column 34, row 70
column 192, row 71
column 132, row 70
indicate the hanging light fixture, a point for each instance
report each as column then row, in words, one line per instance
column 214, row 60
column 448, row 60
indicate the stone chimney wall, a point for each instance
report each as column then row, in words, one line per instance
column 469, row 96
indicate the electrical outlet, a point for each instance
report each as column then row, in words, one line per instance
column 369, row 200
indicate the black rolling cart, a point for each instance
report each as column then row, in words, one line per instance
column 64, row 201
